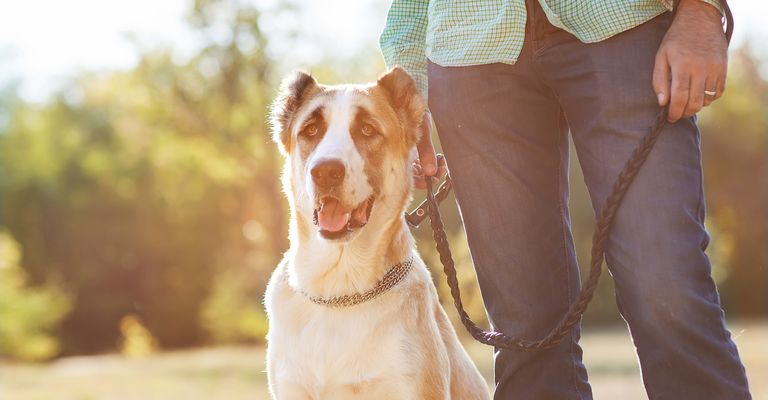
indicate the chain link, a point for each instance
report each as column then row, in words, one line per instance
column 395, row 274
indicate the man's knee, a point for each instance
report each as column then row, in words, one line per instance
column 658, row 262
column 667, row 288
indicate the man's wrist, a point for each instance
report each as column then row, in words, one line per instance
column 712, row 8
column 700, row 13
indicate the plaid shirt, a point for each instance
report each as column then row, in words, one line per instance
column 472, row 32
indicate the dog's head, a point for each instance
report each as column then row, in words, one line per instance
column 348, row 149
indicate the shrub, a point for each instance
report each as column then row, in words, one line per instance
column 233, row 312
column 29, row 315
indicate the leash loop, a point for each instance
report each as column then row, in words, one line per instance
column 599, row 242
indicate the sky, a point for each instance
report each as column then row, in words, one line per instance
column 43, row 42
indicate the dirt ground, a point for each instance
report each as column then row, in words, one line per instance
column 237, row 372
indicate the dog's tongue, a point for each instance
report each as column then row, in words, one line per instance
column 332, row 216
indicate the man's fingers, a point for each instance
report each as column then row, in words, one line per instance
column 418, row 172
column 417, row 169
column 426, row 151
column 711, row 85
column 418, row 175
column 426, row 164
column 681, row 87
column 720, row 85
column 442, row 166
column 661, row 78
column 695, row 96
column 427, row 156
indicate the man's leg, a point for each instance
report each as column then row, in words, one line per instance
column 656, row 251
column 506, row 144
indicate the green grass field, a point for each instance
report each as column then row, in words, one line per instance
column 237, row 372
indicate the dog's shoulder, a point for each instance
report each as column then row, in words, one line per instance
column 277, row 287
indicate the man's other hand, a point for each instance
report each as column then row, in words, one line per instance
column 692, row 60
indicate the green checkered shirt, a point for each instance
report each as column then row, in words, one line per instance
column 472, row 32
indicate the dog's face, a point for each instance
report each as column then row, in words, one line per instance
column 349, row 149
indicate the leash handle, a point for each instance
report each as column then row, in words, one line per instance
column 728, row 20
column 599, row 242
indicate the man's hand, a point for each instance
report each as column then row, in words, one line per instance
column 428, row 163
column 692, row 60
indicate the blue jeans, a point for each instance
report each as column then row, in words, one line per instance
column 504, row 130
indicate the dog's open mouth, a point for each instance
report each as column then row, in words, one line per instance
column 335, row 220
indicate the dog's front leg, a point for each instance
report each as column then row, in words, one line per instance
column 290, row 391
column 371, row 390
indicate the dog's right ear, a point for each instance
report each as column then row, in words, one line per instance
column 293, row 91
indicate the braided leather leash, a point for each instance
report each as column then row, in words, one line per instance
column 599, row 240
column 430, row 207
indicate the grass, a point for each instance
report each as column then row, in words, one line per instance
column 237, row 372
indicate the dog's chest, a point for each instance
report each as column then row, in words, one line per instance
column 341, row 346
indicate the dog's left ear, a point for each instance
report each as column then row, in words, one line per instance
column 405, row 99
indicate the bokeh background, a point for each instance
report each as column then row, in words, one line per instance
column 141, row 212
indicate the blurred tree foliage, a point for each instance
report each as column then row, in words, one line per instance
column 735, row 153
column 29, row 315
column 231, row 315
column 134, row 187
column 153, row 194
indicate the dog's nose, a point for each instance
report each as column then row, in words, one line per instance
column 328, row 173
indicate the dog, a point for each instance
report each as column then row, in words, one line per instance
column 353, row 312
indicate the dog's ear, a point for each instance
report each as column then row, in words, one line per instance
column 293, row 91
column 405, row 99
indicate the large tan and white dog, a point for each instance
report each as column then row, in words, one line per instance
column 353, row 312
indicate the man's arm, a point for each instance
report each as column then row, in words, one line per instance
column 692, row 59
column 403, row 40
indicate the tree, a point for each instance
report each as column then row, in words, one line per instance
column 134, row 187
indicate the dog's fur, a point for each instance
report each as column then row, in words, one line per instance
column 401, row 344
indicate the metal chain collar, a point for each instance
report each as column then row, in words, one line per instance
column 395, row 274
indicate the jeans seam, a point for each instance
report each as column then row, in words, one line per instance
column 565, row 241
column 701, row 207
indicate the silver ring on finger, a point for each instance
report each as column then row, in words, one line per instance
column 711, row 93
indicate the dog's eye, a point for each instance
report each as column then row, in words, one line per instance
column 368, row 130
column 309, row 130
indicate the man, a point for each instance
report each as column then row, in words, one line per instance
column 508, row 79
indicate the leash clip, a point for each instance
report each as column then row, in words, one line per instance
column 415, row 217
